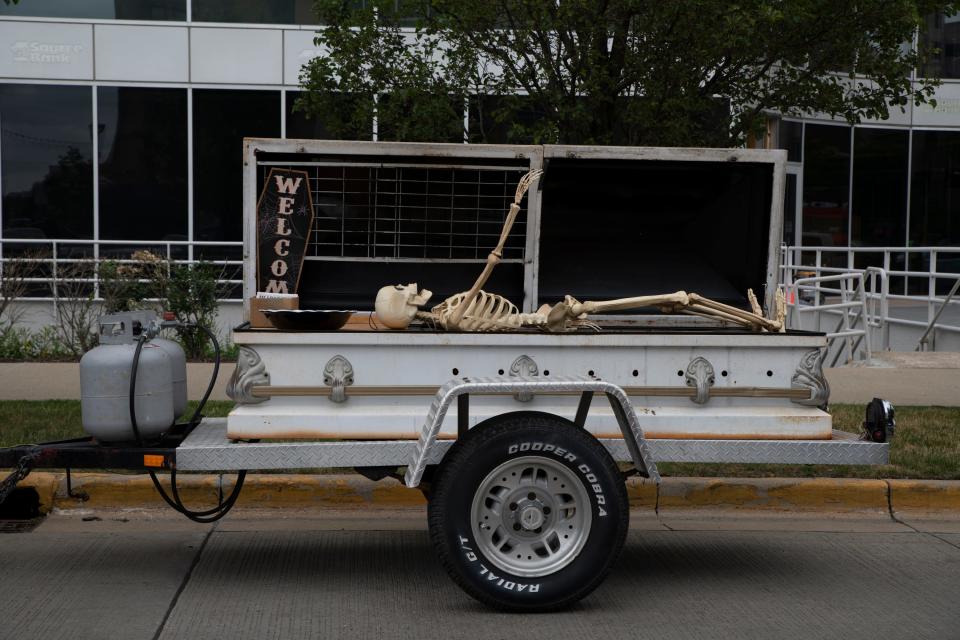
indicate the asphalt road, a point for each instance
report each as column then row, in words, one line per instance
column 260, row 575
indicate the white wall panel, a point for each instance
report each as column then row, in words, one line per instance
column 150, row 54
column 947, row 111
column 298, row 49
column 45, row 50
column 240, row 56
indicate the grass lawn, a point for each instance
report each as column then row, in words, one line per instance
column 927, row 443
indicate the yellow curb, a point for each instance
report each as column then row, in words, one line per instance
column 929, row 496
column 265, row 491
column 641, row 492
column 344, row 491
column 814, row 494
column 117, row 491
column 332, row 491
column 46, row 485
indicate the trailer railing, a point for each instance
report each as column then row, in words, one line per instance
column 912, row 290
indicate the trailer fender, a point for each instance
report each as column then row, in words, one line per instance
column 461, row 388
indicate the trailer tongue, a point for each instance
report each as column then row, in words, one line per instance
column 520, row 440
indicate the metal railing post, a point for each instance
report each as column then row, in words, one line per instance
column 53, row 272
column 933, row 322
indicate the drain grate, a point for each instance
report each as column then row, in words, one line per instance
column 20, row 526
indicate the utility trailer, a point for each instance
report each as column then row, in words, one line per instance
column 521, row 441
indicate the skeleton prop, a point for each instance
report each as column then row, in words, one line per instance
column 479, row 311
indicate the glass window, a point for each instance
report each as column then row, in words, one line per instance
column 143, row 163
column 790, row 137
column 942, row 35
column 255, row 11
column 826, row 186
column 221, row 120
column 790, row 210
column 935, row 191
column 880, row 159
column 47, row 165
column 318, row 127
column 484, row 127
column 119, row 9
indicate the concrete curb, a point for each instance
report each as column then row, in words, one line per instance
column 834, row 495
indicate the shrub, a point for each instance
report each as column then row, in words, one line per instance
column 19, row 343
column 192, row 293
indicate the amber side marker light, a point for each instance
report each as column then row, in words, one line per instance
column 152, row 460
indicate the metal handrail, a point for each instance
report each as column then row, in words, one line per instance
column 57, row 260
column 851, row 297
column 878, row 283
column 922, row 343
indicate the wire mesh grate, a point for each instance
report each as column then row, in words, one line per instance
column 411, row 212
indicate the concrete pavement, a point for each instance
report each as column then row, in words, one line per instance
column 350, row 574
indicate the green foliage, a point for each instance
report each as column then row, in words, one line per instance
column 19, row 343
column 129, row 285
column 192, row 293
column 416, row 92
column 684, row 72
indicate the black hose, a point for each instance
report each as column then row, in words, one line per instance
column 224, row 506
column 213, row 378
column 133, row 388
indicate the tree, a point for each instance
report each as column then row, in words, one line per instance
column 683, row 72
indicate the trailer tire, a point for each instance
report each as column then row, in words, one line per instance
column 528, row 512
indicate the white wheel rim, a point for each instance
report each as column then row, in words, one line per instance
column 531, row 516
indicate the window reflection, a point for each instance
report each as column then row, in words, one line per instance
column 119, row 9
column 790, row 137
column 935, row 191
column 221, row 120
column 318, row 127
column 143, row 163
column 826, row 185
column 254, row 11
column 47, row 169
column 879, row 187
column 790, row 210
column 943, row 34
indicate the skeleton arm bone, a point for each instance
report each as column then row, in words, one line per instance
column 495, row 256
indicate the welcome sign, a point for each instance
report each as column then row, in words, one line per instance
column 284, row 220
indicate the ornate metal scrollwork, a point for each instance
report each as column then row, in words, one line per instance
column 524, row 367
column 700, row 374
column 809, row 375
column 338, row 373
column 250, row 372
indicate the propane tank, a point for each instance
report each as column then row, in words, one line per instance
column 121, row 328
column 178, row 368
column 105, row 392
column 105, row 380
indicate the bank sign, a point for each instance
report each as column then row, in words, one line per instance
column 284, row 220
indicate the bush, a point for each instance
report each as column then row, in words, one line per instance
column 19, row 343
column 192, row 293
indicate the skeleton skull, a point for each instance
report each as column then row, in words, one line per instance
column 397, row 305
